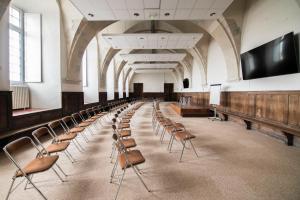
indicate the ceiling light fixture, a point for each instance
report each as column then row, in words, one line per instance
column 91, row 14
column 212, row 14
column 136, row 14
column 167, row 14
column 141, row 38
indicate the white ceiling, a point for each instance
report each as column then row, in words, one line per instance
column 152, row 71
column 159, row 57
column 153, row 40
column 151, row 9
column 153, row 66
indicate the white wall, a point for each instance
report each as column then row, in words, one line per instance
column 152, row 82
column 120, row 84
column 4, row 56
column 48, row 93
column 110, row 85
column 91, row 91
column 264, row 21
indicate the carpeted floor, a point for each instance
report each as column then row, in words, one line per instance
column 233, row 164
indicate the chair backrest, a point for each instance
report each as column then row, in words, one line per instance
column 57, row 125
column 114, row 120
column 16, row 147
column 40, row 132
column 68, row 122
column 76, row 117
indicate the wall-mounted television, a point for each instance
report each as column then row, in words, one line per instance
column 274, row 58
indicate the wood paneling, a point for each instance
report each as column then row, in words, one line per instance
column 24, row 121
column 72, row 102
column 116, row 96
column 294, row 110
column 102, row 97
column 278, row 109
column 138, row 89
column 155, row 95
column 5, row 110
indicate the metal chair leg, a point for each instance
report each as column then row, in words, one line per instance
column 35, row 187
column 11, row 186
column 113, row 171
column 120, row 183
column 62, row 171
column 31, row 177
column 57, row 174
column 136, row 171
column 182, row 151
column 193, row 148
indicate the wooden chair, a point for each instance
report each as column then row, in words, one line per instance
column 39, row 163
column 73, row 127
column 55, row 146
column 123, row 137
column 62, row 134
column 127, row 159
column 183, row 136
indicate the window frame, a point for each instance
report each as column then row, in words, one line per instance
column 20, row 30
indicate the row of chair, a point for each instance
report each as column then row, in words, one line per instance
column 124, row 144
column 177, row 131
column 53, row 139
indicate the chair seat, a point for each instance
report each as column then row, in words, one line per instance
column 170, row 129
column 125, row 133
column 77, row 129
column 134, row 157
column 84, row 124
column 125, row 121
column 57, row 147
column 38, row 165
column 179, row 125
column 183, row 135
column 124, row 125
column 91, row 120
column 128, row 143
column 68, row 136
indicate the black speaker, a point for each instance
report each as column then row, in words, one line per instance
column 186, row 83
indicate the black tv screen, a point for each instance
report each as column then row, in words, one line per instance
column 274, row 58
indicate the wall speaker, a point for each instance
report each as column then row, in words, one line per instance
column 186, row 83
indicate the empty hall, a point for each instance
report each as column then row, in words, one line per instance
column 149, row 99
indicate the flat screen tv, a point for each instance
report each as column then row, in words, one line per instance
column 274, row 58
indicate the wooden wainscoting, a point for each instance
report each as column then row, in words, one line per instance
column 72, row 102
column 103, row 97
column 5, row 110
column 279, row 110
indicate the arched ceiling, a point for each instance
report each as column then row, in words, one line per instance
column 214, row 27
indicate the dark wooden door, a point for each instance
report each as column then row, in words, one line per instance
column 168, row 91
column 138, row 90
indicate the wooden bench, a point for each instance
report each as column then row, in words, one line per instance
column 287, row 130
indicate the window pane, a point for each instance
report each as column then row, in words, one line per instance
column 15, row 55
column 33, row 47
column 14, row 17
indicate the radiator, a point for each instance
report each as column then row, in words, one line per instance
column 20, row 97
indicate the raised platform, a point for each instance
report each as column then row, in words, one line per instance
column 191, row 110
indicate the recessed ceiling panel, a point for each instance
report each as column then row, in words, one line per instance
column 153, row 40
column 152, row 71
column 154, row 66
column 96, row 10
column 158, row 57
